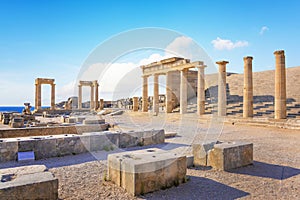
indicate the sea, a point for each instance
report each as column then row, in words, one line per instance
column 16, row 108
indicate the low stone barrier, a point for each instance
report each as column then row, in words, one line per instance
column 54, row 130
column 68, row 144
column 30, row 182
column 145, row 171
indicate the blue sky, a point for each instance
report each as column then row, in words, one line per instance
column 53, row 38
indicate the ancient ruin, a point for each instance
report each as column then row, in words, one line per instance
column 94, row 102
column 38, row 92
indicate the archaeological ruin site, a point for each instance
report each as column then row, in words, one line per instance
column 207, row 136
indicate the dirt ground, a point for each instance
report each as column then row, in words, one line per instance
column 275, row 173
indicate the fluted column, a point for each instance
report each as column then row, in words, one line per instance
column 248, row 88
column 101, row 104
column 79, row 96
column 222, row 101
column 200, row 91
column 92, row 97
column 183, row 91
column 145, row 94
column 280, row 85
column 156, row 94
column 52, row 96
column 96, row 85
column 169, row 93
column 135, row 104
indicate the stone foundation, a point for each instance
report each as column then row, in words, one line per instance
column 223, row 155
column 30, row 182
column 62, row 145
column 145, row 171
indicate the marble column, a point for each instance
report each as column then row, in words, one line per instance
column 96, row 85
column 38, row 96
column 280, row 85
column 169, row 93
column 79, row 96
column 135, row 104
column 52, row 96
column 145, row 94
column 101, row 104
column 183, row 91
column 200, row 90
column 248, row 88
column 156, row 94
column 92, row 105
column 222, row 101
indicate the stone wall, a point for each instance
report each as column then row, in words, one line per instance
column 62, row 145
column 41, row 131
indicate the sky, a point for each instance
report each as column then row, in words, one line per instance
column 54, row 39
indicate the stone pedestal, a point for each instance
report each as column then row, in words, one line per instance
column 145, row 171
column 222, row 101
column 135, row 104
column 156, row 95
column 183, row 91
column 201, row 91
column 145, row 94
column 280, row 85
column 248, row 88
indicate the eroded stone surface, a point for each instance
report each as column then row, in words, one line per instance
column 144, row 171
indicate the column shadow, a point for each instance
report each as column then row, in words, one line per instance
column 265, row 170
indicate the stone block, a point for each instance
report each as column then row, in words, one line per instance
column 145, row 171
column 70, row 120
column 30, row 182
column 230, row 155
column 200, row 152
column 93, row 121
column 8, row 150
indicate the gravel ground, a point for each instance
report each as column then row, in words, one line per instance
column 275, row 173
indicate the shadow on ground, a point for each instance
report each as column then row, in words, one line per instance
column 265, row 170
column 198, row 188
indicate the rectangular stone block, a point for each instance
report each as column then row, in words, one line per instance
column 93, row 121
column 230, row 155
column 30, row 182
column 200, row 152
column 8, row 150
column 145, row 171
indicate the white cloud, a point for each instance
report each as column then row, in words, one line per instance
column 221, row 44
column 181, row 46
column 263, row 30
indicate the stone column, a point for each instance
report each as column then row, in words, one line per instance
column 135, row 104
column 101, row 104
column 38, row 96
column 280, row 85
column 52, row 96
column 156, row 94
column 222, row 101
column 248, row 88
column 79, row 97
column 92, row 105
column 183, row 91
column 96, row 85
column 169, row 93
column 201, row 91
column 145, row 94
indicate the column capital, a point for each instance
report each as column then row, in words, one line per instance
column 201, row 66
column 248, row 58
column 279, row 52
column 222, row 62
column 145, row 76
column 185, row 69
